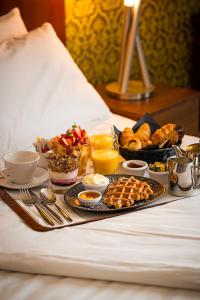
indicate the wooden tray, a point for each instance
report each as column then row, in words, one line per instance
column 79, row 217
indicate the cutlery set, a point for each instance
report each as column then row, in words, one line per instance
column 42, row 204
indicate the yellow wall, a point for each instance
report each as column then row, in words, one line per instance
column 93, row 29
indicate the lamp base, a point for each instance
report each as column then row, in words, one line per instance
column 136, row 90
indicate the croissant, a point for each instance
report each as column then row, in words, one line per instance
column 165, row 134
column 173, row 137
column 144, row 132
column 126, row 136
column 141, row 138
column 147, row 144
column 135, row 144
column 138, row 140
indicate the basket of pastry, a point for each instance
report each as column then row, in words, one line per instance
column 148, row 141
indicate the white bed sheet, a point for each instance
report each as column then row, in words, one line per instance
column 21, row 286
column 158, row 248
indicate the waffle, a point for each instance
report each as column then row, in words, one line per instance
column 124, row 191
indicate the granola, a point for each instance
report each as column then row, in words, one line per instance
column 59, row 162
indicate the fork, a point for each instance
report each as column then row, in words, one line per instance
column 29, row 200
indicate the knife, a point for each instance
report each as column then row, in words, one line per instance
column 63, row 213
column 47, row 208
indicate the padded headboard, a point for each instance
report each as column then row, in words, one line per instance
column 36, row 12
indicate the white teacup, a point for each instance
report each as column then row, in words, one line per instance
column 20, row 166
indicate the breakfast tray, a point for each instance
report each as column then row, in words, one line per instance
column 31, row 217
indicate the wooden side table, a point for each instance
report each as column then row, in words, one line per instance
column 167, row 105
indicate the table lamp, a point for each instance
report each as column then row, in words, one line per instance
column 128, row 89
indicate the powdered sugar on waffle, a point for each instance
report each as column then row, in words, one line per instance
column 124, row 191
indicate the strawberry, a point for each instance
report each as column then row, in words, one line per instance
column 67, row 142
column 84, row 133
column 60, row 141
column 84, row 140
column 77, row 131
column 73, row 139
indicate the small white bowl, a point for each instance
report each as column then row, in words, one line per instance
column 161, row 177
column 95, row 186
column 92, row 202
column 134, row 171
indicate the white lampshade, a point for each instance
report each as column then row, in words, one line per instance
column 129, row 3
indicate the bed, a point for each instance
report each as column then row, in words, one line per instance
column 149, row 254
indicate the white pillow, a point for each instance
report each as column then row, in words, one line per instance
column 11, row 25
column 42, row 91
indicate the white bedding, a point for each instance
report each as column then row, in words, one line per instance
column 22, row 286
column 127, row 257
column 159, row 247
column 42, row 90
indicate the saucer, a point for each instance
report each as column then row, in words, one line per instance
column 40, row 176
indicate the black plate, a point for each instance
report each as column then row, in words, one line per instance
column 72, row 194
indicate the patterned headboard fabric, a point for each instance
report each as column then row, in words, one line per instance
column 94, row 27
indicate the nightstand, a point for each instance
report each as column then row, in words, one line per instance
column 167, row 105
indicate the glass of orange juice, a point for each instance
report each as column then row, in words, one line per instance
column 104, row 153
column 103, row 128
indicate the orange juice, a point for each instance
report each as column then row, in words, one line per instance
column 102, row 141
column 105, row 161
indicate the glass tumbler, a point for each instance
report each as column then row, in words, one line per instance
column 62, row 167
column 105, row 153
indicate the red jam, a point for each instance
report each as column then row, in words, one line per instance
column 133, row 165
